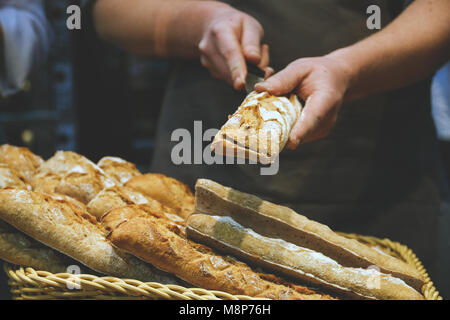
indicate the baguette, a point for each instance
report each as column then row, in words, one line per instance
column 120, row 196
column 18, row 248
column 276, row 221
column 155, row 239
column 60, row 225
column 259, row 129
column 297, row 262
column 71, row 174
column 118, row 169
column 21, row 160
column 168, row 191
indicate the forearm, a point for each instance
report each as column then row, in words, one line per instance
column 412, row 47
column 161, row 28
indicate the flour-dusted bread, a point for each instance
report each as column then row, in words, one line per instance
column 259, row 129
column 18, row 248
column 154, row 238
column 276, row 221
column 168, row 191
column 120, row 196
column 59, row 224
column 11, row 178
column 21, row 160
column 118, row 169
column 223, row 233
column 71, row 174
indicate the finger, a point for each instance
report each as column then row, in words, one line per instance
column 212, row 59
column 230, row 49
column 268, row 72
column 251, row 40
column 284, row 81
column 265, row 57
column 313, row 120
column 216, row 67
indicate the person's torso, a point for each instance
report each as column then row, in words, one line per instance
column 379, row 162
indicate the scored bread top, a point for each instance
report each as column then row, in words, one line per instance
column 120, row 196
column 118, row 169
column 20, row 159
column 260, row 127
column 168, row 191
column 71, row 174
column 12, row 178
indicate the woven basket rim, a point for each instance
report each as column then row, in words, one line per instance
column 26, row 283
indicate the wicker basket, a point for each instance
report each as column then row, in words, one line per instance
column 29, row 284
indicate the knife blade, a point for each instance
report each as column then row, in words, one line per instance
column 254, row 76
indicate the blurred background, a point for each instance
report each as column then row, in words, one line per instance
column 97, row 100
column 85, row 83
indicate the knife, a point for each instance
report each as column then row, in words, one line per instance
column 254, row 76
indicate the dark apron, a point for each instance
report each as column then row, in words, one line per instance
column 377, row 173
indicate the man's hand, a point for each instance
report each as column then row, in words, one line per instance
column 222, row 37
column 230, row 38
column 410, row 48
column 322, row 82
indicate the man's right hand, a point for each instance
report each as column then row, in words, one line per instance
column 230, row 38
column 221, row 36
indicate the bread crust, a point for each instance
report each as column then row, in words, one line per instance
column 120, row 196
column 71, row 174
column 168, row 191
column 118, row 169
column 60, row 225
column 276, row 221
column 11, row 178
column 155, row 239
column 18, row 248
column 20, row 159
column 223, row 146
column 293, row 261
column 259, row 129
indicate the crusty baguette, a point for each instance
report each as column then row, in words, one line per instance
column 168, row 191
column 276, row 221
column 225, row 234
column 71, row 174
column 120, row 196
column 60, row 225
column 18, row 248
column 20, row 159
column 118, row 169
column 154, row 238
column 259, row 129
column 11, row 178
